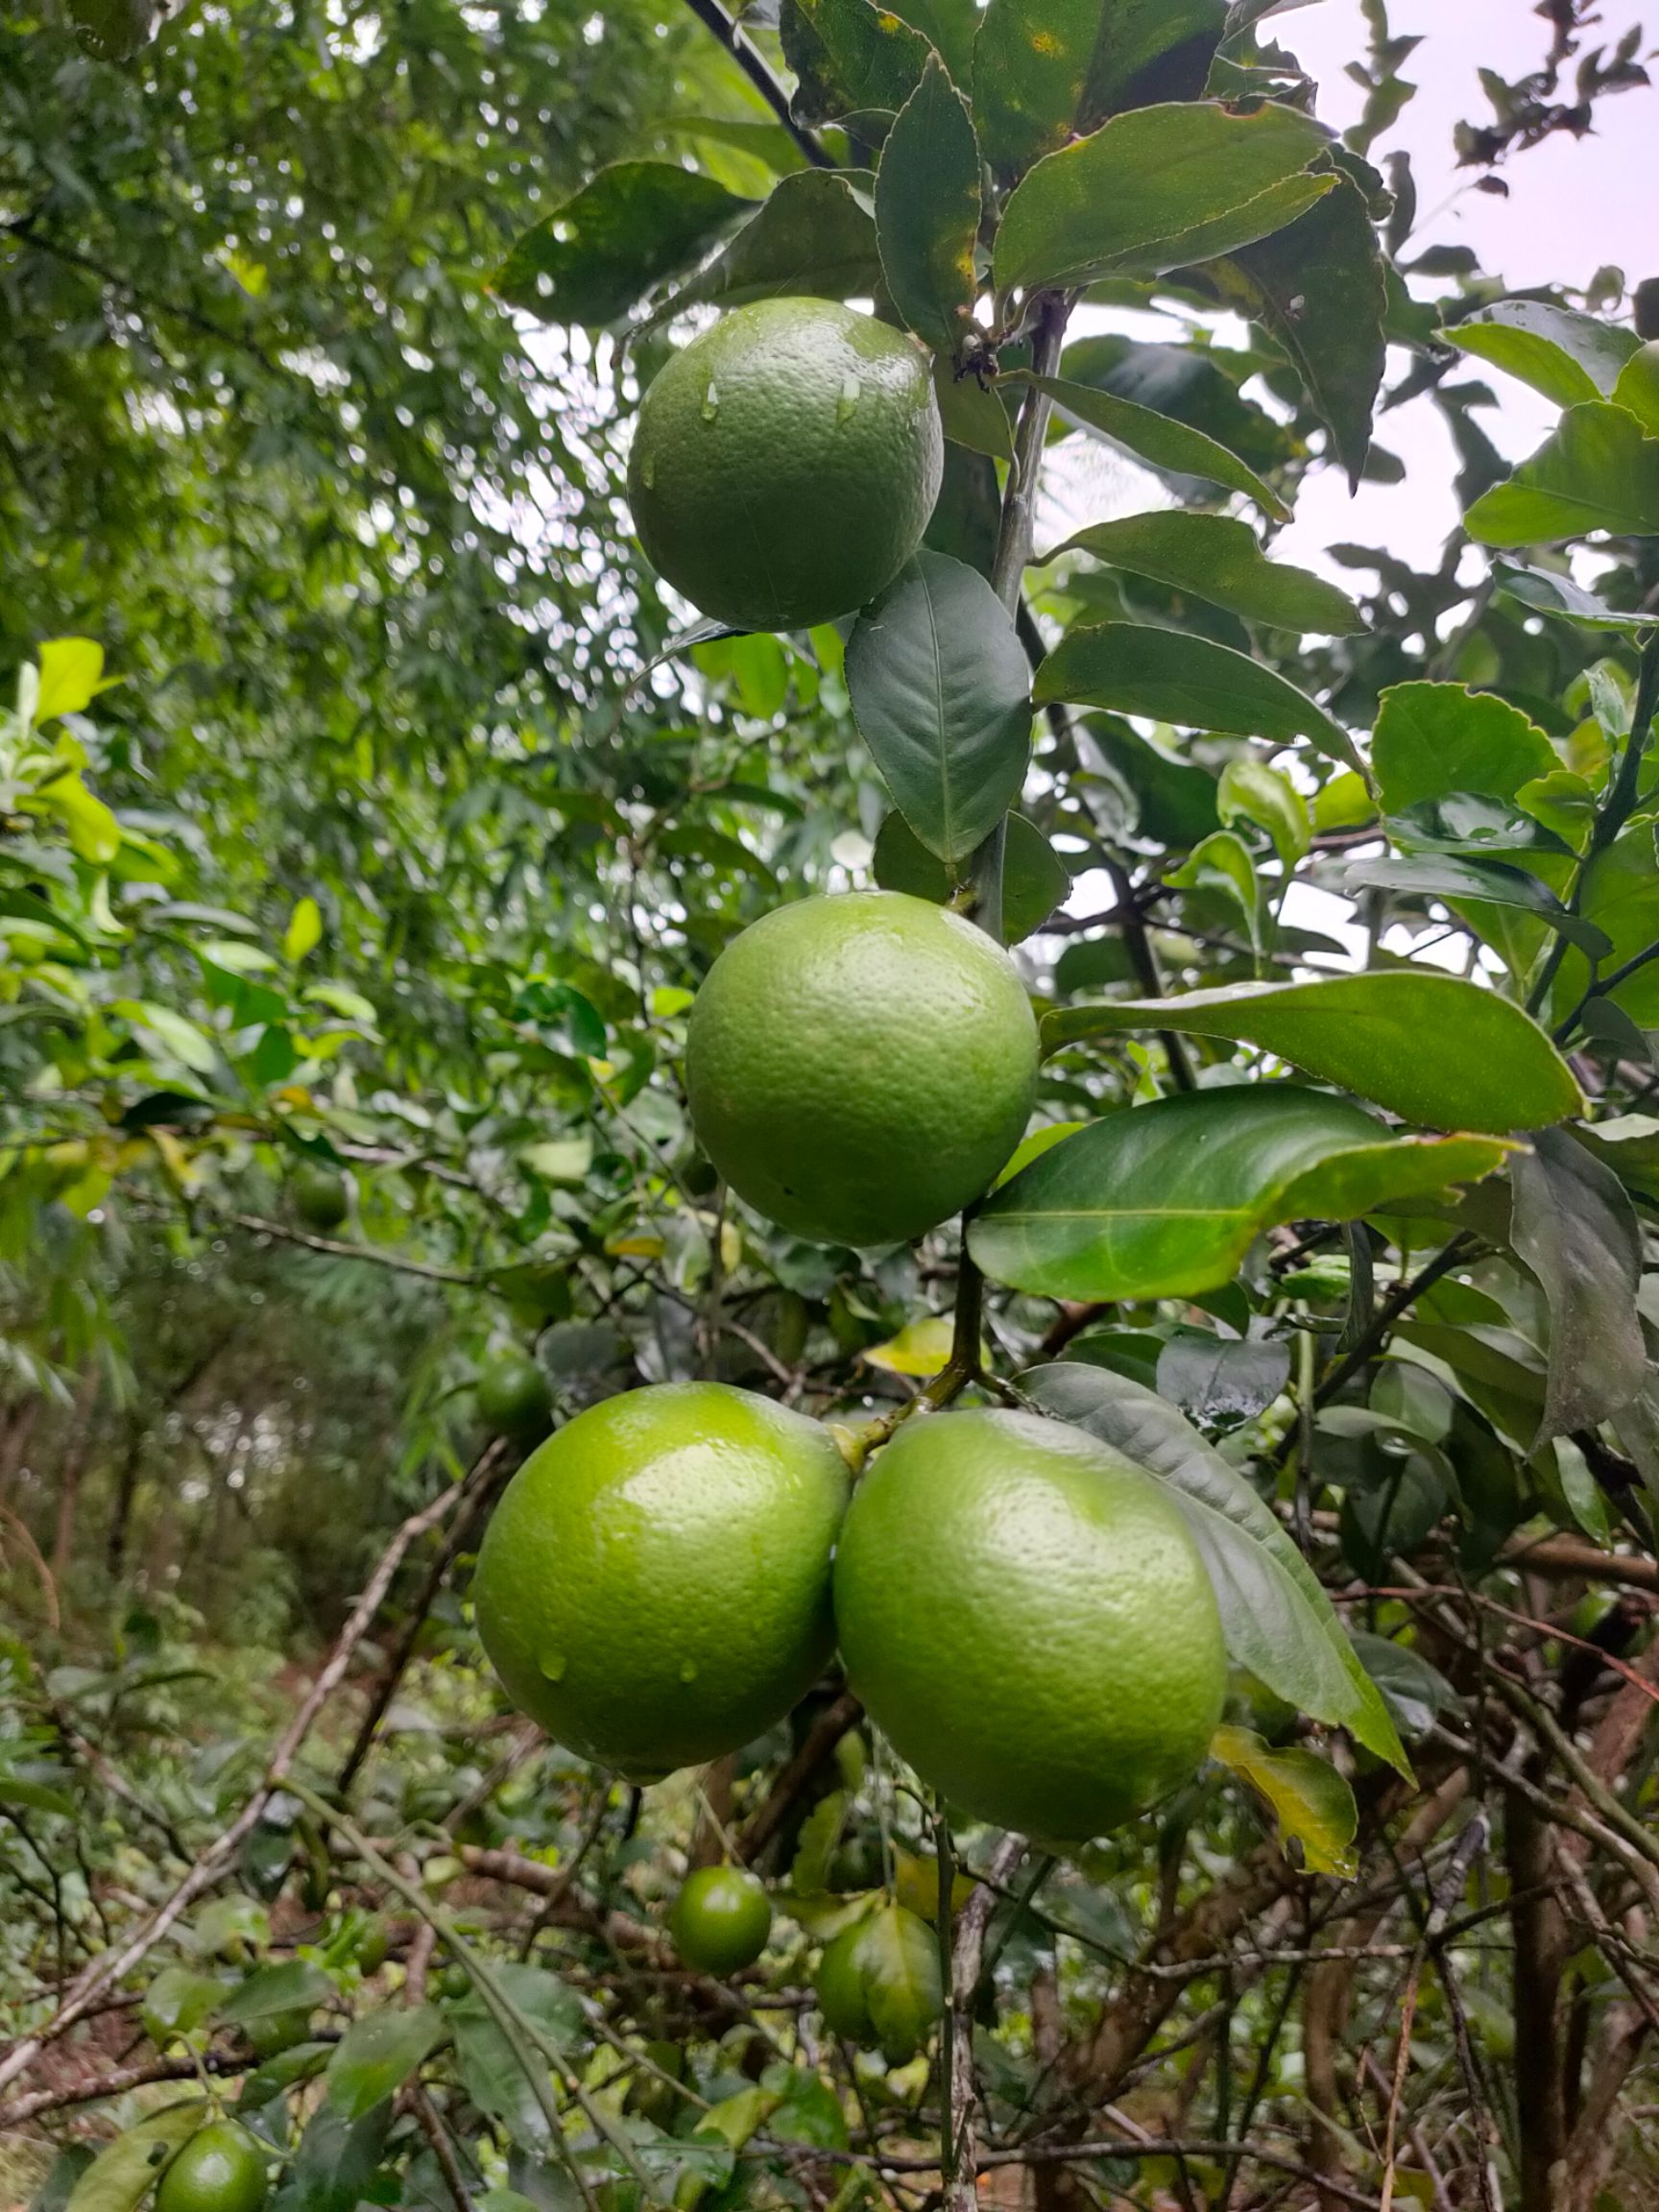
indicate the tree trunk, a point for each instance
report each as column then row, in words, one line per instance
column 1536, row 1924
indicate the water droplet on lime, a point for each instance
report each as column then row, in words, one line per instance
column 553, row 1664
column 851, row 392
column 648, row 471
column 687, row 1669
column 711, row 401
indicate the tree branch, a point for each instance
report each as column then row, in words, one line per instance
column 714, row 17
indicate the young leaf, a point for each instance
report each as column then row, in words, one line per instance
column 630, row 227
column 1218, row 558
column 71, row 677
column 1165, row 1200
column 1431, row 739
column 1431, row 1049
column 1034, row 878
column 1574, row 1225
column 1311, row 1800
column 1597, row 471
column 1158, row 188
column 1567, row 356
column 377, row 2054
column 1252, row 791
column 848, row 58
column 1278, row 1620
column 305, row 930
column 927, row 207
column 1158, row 439
column 1171, row 676
column 815, row 235
column 940, row 687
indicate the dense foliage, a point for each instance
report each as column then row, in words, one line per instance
column 369, row 817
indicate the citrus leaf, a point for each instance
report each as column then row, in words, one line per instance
column 177, row 2000
column 491, row 2070
column 819, row 1840
column 928, row 208
column 1044, row 70
column 899, row 1961
column 1572, row 1224
column 1311, row 1800
column 71, row 677
column 1431, row 739
column 120, row 2176
column 941, row 689
column 1158, row 439
column 295, row 1986
column 628, row 226
column 1596, row 472
column 1218, row 558
column 1165, row 1200
column 335, row 2168
column 1252, row 791
column 1279, row 1623
column 1621, row 896
column 1158, row 188
column 920, row 1348
column 1034, row 878
column 815, row 236
column 1431, row 1049
column 305, row 931
column 848, row 58
column 1567, row 356
column 973, row 415
column 377, row 2054
column 93, row 829
column 1488, row 882
column 1546, row 594
column 1221, row 1378
column 1171, row 676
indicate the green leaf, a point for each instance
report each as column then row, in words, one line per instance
column 1222, row 863
column 1547, row 593
column 1165, row 1200
column 1572, row 1224
column 1221, row 1378
column 377, row 2054
column 120, row 2176
column 972, row 413
column 93, row 829
column 1278, row 1620
column 941, row 689
column 1311, row 1800
column 1431, row 739
column 1171, row 676
column 1597, row 471
column 816, row 1849
column 1218, row 558
column 899, row 1961
column 71, row 677
column 493, row 2078
column 1251, row 790
column 1431, row 1049
column 1158, row 188
column 1034, row 878
column 1620, row 896
column 305, row 931
column 815, row 236
column 1320, row 289
column 335, row 2166
column 1567, row 356
column 1415, row 1692
column 1176, row 802
column 1487, row 882
column 848, row 59
column 177, row 2000
column 1158, row 439
column 927, row 209
column 630, row 227
column 295, row 1986
column 920, row 1348
column 1638, row 386
column 1044, row 70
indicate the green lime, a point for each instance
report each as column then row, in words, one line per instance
column 220, row 2169
column 654, row 1586
column 786, row 462
column 321, row 1195
column 1025, row 1615
column 860, row 1066
column 512, row 1397
column 721, row 1919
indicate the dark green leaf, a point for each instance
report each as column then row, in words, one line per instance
column 848, row 58
column 1431, row 1049
column 968, row 514
column 1575, row 1226
column 1415, row 1692
column 1172, row 676
column 974, row 416
column 927, row 209
column 1436, row 738
column 1218, row 558
column 1596, row 472
column 629, row 227
column 1165, row 1200
column 1178, row 803
column 1158, row 188
column 1621, row 896
column 940, row 687
column 815, row 236
column 1159, row 439
column 378, row 2053
column 1221, row 1378
column 1279, row 1623
column 1034, row 879
column 1567, row 356
column 295, row 1986
column 495, row 2078
column 1487, row 882
column 1546, row 594
column 335, row 2168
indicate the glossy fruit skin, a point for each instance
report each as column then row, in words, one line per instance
column 513, row 1399
column 220, row 2169
column 860, row 1066
column 1024, row 1612
column 721, row 1919
column 654, row 1586
column 321, row 1195
column 786, row 462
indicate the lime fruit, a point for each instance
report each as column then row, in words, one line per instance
column 1025, row 1615
column 513, row 1399
column 220, row 2169
column 721, row 1919
column 654, row 1586
column 321, row 1195
column 786, row 462
column 860, row 1066
column 879, row 1982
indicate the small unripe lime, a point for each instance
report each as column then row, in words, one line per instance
column 513, row 1399
column 721, row 1919
column 220, row 2169
column 321, row 1195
